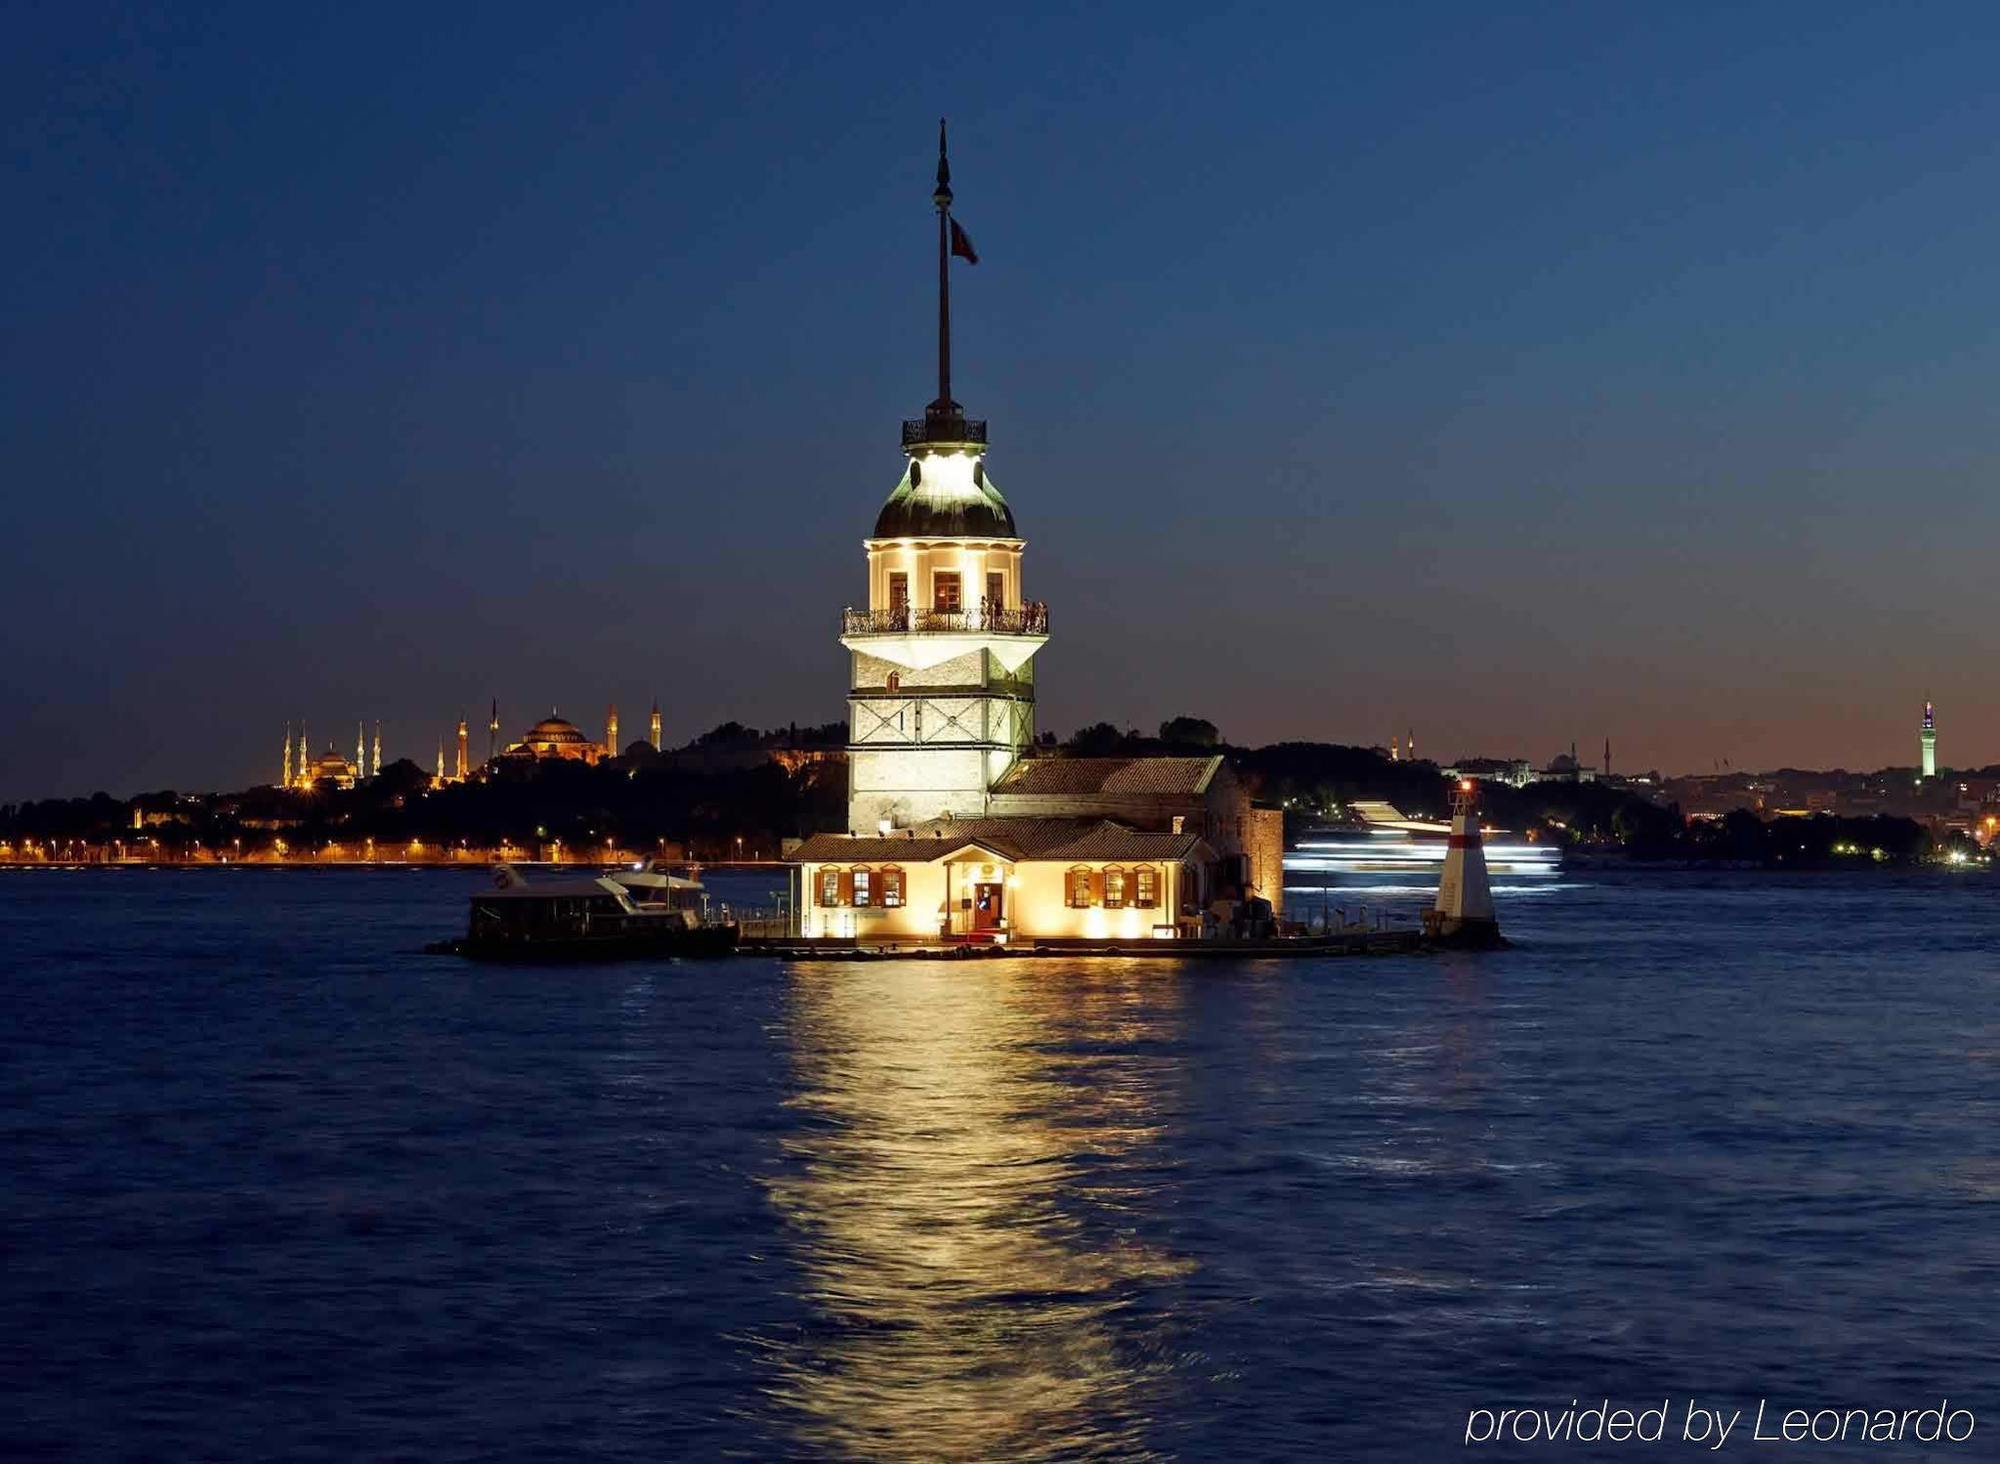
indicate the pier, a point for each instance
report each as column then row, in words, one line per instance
column 1341, row 943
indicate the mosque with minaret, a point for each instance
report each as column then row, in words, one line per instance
column 554, row 737
column 959, row 827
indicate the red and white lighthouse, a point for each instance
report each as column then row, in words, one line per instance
column 1463, row 914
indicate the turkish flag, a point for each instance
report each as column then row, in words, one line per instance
column 961, row 244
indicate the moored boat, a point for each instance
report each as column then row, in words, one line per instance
column 624, row 916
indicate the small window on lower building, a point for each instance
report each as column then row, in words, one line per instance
column 1080, row 894
column 1114, row 889
column 829, row 887
column 892, row 888
column 862, row 880
column 1146, row 888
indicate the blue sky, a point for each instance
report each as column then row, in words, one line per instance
column 1564, row 372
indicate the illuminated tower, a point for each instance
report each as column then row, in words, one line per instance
column 1927, row 741
column 286, row 780
column 375, row 761
column 462, row 754
column 655, row 731
column 611, row 731
column 360, row 749
column 942, row 699
column 1463, row 912
column 437, row 779
column 493, row 732
column 305, row 756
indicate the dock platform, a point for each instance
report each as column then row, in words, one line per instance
column 854, row 948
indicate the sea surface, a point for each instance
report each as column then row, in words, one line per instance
column 276, row 1186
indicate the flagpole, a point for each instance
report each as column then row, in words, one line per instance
column 942, row 198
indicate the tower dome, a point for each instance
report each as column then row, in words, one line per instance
column 946, row 494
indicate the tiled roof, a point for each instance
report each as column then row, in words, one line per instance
column 1063, row 840
column 1115, row 841
column 850, row 849
column 1019, row 838
column 1109, row 777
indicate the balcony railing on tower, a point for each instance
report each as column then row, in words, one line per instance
column 1029, row 619
column 943, row 427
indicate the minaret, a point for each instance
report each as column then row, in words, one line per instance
column 1463, row 914
column 1607, row 757
column 942, row 698
column 493, row 732
column 305, row 756
column 463, row 769
column 611, row 731
column 655, row 730
column 1927, row 741
column 286, row 780
column 375, row 762
column 360, row 749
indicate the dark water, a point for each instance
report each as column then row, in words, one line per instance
column 276, row 1188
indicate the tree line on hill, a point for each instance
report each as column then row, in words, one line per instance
column 646, row 799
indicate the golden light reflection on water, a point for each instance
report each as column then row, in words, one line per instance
column 958, row 1189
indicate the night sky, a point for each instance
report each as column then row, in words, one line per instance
column 1517, row 374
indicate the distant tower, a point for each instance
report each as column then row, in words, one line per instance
column 1410, row 744
column 360, row 749
column 1927, row 741
column 286, row 780
column 493, row 732
column 1607, row 757
column 437, row 781
column 1463, row 914
column 305, row 756
column 656, row 724
column 611, row 731
column 463, row 770
column 1395, row 748
column 375, row 762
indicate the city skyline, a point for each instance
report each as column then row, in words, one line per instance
column 1530, row 381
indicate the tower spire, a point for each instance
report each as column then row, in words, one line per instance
column 944, row 406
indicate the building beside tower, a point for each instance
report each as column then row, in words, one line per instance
column 954, row 829
column 1927, row 743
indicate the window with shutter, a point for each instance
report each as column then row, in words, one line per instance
column 1146, row 888
column 945, row 591
column 892, row 887
column 1079, row 889
column 1114, row 889
column 829, row 887
column 862, row 880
